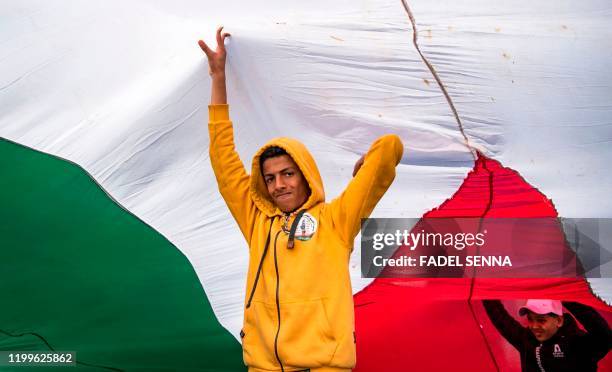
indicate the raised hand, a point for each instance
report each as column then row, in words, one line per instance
column 358, row 165
column 216, row 67
column 216, row 58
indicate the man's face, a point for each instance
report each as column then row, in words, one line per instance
column 543, row 327
column 286, row 184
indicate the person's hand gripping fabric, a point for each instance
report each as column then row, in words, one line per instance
column 216, row 67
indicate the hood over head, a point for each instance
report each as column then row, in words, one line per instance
column 307, row 165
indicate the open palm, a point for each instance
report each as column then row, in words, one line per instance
column 216, row 58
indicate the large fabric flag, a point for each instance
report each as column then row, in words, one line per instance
column 116, row 244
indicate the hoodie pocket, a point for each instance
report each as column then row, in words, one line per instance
column 306, row 338
column 259, row 329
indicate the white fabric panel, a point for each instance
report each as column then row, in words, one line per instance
column 121, row 88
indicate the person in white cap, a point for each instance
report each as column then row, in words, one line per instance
column 552, row 341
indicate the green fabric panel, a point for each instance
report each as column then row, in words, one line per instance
column 88, row 276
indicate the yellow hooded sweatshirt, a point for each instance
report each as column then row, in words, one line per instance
column 299, row 305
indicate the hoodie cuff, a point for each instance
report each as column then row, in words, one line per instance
column 218, row 113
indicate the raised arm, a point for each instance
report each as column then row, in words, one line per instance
column 599, row 335
column 232, row 178
column 509, row 327
column 373, row 175
column 216, row 68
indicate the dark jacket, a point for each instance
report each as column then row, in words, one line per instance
column 570, row 349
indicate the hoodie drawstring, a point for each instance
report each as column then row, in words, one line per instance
column 290, row 242
column 263, row 255
column 290, row 245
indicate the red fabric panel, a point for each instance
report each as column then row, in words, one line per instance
column 440, row 324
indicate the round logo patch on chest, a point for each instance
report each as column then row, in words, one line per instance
column 306, row 227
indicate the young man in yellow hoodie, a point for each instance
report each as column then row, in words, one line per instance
column 299, row 305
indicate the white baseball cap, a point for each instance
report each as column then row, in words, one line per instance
column 542, row 307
